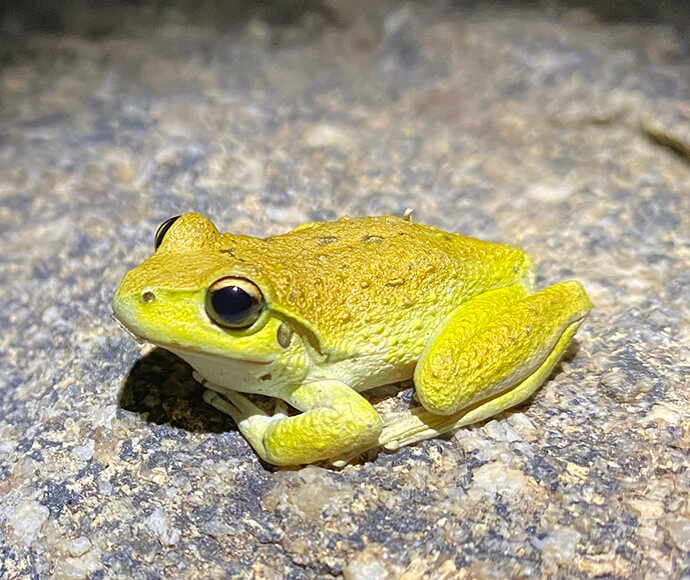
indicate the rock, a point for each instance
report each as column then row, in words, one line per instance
column 159, row 525
column 497, row 478
column 373, row 563
column 25, row 521
column 679, row 531
column 564, row 132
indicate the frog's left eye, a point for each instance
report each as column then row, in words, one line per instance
column 162, row 230
column 234, row 302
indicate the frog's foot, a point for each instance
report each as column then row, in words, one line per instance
column 407, row 427
column 491, row 353
column 336, row 421
column 417, row 424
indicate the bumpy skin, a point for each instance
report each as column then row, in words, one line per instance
column 351, row 305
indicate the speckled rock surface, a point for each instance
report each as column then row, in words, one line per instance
column 564, row 130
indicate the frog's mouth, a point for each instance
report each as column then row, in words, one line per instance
column 185, row 352
column 138, row 339
column 217, row 358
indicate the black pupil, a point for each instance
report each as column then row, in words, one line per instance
column 232, row 304
column 163, row 229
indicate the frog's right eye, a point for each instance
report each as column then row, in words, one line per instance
column 162, row 230
column 234, row 302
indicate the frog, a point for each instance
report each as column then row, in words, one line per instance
column 316, row 317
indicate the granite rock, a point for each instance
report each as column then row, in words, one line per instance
column 560, row 127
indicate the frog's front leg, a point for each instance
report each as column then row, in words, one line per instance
column 490, row 354
column 335, row 421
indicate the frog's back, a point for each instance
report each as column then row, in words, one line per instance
column 374, row 282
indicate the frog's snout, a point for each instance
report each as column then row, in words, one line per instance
column 135, row 310
column 128, row 298
column 123, row 308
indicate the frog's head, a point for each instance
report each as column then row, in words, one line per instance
column 196, row 299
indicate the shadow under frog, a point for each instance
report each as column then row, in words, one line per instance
column 160, row 388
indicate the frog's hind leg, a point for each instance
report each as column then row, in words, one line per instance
column 490, row 354
column 335, row 421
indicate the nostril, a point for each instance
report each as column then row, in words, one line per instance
column 147, row 297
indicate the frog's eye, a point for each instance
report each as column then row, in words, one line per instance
column 234, row 302
column 162, row 230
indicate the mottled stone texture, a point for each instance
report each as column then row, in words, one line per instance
column 563, row 128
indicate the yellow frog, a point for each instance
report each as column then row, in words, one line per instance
column 315, row 316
